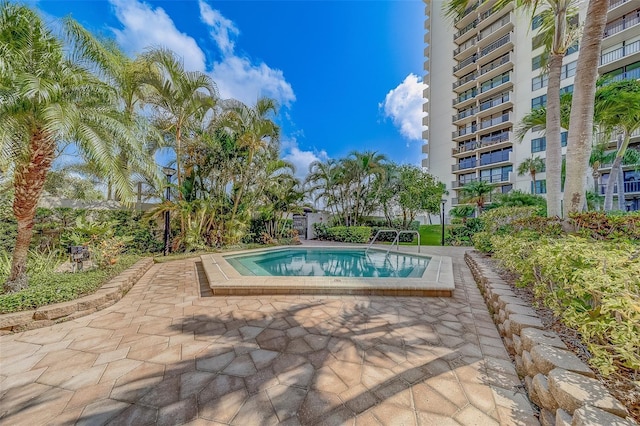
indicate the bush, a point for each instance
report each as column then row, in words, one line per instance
column 594, row 286
column 321, row 231
column 482, row 241
column 461, row 235
column 48, row 287
column 496, row 220
column 349, row 234
column 601, row 226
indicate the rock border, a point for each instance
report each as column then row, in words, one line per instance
column 556, row 380
column 44, row 316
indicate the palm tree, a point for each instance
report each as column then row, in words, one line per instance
column 363, row 168
column 179, row 98
column 582, row 108
column 531, row 166
column 619, row 105
column 476, row 192
column 254, row 130
column 48, row 97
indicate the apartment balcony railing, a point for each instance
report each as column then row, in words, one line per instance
column 465, row 79
column 495, row 64
column 466, row 45
column 488, row 13
column 494, row 102
column 470, row 60
column 469, row 164
column 495, row 139
column 616, row 3
column 494, row 157
column 503, row 177
column 465, row 131
column 496, row 45
column 468, row 10
column 621, row 24
column 465, row 96
column 465, row 30
column 629, row 188
column 470, row 146
column 488, row 85
column 495, row 121
column 494, row 27
column 465, row 113
column 621, row 52
column 628, row 75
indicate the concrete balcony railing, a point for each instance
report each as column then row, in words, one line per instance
column 496, row 45
column 495, row 64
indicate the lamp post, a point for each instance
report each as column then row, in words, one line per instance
column 168, row 172
column 444, row 201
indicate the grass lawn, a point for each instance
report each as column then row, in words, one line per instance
column 430, row 235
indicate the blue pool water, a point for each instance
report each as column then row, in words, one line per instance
column 330, row 263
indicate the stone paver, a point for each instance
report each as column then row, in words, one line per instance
column 167, row 354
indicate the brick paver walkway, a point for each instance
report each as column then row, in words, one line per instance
column 168, row 354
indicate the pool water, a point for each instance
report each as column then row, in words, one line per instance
column 330, row 263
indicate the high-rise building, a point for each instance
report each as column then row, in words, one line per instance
column 484, row 73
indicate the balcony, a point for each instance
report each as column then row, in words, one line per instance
column 464, row 80
column 467, row 147
column 498, row 103
column 629, row 75
column 464, row 48
column 621, row 29
column 465, row 98
column 465, row 165
column 495, row 31
column 497, row 178
column 469, row 112
column 484, row 20
column 467, row 16
column 465, row 131
column 629, row 188
column 495, row 121
column 496, row 67
column 496, row 48
column 496, row 85
column 618, row 8
column 465, row 66
column 465, row 33
column 491, row 141
column 493, row 158
column 621, row 52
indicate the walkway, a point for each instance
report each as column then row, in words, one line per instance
column 168, row 353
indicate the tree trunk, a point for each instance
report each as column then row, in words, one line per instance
column 611, row 183
column 29, row 181
column 582, row 107
column 533, row 180
column 621, row 202
column 554, row 146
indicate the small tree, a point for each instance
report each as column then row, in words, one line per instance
column 476, row 193
column 531, row 166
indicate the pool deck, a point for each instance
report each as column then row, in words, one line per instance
column 169, row 353
column 225, row 280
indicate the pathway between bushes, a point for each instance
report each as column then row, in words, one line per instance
column 169, row 353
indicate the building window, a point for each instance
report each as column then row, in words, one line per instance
column 573, row 48
column 536, row 22
column 538, row 144
column 566, row 89
column 537, row 41
column 539, row 82
column 539, row 101
column 541, row 187
column 536, row 62
column 569, row 70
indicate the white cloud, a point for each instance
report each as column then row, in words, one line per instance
column 300, row 159
column 238, row 78
column 222, row 29
column 146, row 27
column 404, row 106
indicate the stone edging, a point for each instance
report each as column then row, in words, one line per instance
column 556, row 380
column 112, row 291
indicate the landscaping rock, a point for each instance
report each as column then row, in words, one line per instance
column 547, row 358
column 15, row 319
column 529, row 365
column 533, row 336
column 541, row 388
column 572, row 391
column 547, row 418
column 519, row 322
column 517, row 343
column 514, row 300
column 512, row 309
column 593, row 416
column 563, row 418
column 56, row 311
column 520, row 366
column 92, row 301
column 528, row 385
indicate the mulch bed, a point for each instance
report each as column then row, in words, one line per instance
column 621, row 384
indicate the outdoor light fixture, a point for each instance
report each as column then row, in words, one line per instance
column 168, row 172
column 444, row 201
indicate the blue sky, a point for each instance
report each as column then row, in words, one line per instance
column 347, row 74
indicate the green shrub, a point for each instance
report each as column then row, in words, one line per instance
column 48, row 287
column 461, row 235
column 601, row 226
column 594, row 286
column 349, row 234
column 497, row 219
column 321, row 230
column 482, row 241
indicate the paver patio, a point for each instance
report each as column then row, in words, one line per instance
column 168, row 353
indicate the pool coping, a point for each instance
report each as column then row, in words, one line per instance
column 224, row 280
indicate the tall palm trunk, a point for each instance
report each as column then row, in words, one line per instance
column 28, row 184
column 621, row 202
column 554, row 146
column 614, row 177
column 582, row 107
column 533, row 179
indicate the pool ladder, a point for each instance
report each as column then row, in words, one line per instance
column 396, row 240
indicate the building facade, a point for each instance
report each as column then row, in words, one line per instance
column 484, row 73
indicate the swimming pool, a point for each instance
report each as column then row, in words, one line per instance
column 224, row 279
column 330, row 262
